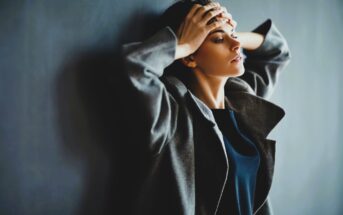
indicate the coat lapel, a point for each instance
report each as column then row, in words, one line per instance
column 211, row 163
column 258, row 117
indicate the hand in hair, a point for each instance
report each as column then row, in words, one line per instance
column 228, row 16
column 195, row 27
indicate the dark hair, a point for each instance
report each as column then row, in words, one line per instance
column 173, row 17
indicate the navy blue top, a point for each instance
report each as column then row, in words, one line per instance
column 244, row 160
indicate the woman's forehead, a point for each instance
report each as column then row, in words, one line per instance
column 226, row 28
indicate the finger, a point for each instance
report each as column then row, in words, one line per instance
column 215, row 25
column 204, row 9
column 233, row 23
column 193, row 10
column 230, row 21
column 180, row 29
column 211, row 5
column 226, row 14
column 211, row 14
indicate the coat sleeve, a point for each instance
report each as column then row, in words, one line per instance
column 264, row 64
column 144, row 64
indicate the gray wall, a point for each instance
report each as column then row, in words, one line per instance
column 62, row 103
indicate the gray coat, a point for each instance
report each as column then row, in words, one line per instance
column 190, row 165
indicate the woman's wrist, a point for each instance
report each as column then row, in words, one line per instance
column 182, row 50
column 250, row 40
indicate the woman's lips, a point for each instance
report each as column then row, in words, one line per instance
column 237, row 59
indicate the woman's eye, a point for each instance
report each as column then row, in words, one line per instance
column 218, row 40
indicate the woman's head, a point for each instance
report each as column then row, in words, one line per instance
column 214, row 56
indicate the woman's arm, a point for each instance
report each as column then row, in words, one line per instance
column 263, row 61
column 144, row 65
column 250, row 40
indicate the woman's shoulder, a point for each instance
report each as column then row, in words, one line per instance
column 174, row 85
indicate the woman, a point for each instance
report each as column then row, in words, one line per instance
column 207, row 117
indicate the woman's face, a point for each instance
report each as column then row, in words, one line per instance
column 215, row 55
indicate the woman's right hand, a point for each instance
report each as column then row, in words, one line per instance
column 194, row 29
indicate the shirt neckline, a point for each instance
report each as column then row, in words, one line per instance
column 227, row 106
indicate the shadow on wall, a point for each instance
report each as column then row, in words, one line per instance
column 99, row 121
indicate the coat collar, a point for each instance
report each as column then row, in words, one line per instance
column 258, row 115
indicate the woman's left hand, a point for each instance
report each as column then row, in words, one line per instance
column 228, row 15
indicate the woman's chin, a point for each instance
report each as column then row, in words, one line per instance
column 237, row 68
column 239, row 71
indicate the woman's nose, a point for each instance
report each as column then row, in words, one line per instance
column 235, row 44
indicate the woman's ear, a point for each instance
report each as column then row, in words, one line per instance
column 189, row 61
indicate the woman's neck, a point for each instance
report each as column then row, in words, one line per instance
column 209, row 89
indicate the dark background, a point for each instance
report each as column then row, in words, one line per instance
column 67, row 118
